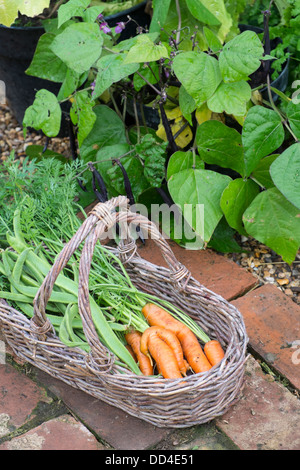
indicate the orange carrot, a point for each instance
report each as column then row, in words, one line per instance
column 157, row 316
column 214, row 352
column 133, row 338
column 191, row 347
column 193, row 351
column 170, row 339
column 164, row 358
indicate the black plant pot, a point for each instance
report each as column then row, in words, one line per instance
column 17, row 47
column 281, row 81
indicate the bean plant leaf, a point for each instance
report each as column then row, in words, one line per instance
column 274, row 221
column 160, row 13
column 261, row 174
column 44, row 114
column 108, row 129
column 293, row 115
column 231, row 98
column 285, row 172
column 79, row 46
column 187, row 104
column 82, row 115
column 189, row 65
column 9, row 9
column 111, row 69
column 71, row 9
column 180, row 161
column 195, row 191
column 220, row 145
column 235, row 200
column 223, row 239
column 45, row 64
column 262, row 134
column 154, row 157
column 201, row 13
column 241, row 57
column 145, row 50
column 218, row 9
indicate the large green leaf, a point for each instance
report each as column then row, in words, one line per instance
column 111, row 69
column 285, row 172
column 293, row 114
column 71, row 9
column 240, row 57
column 274, row 221
column 180, row 161
column 79, row 46
column 145, row 50
column 44, row 114
column 160, row 13
column 220, row 145
column 235, row 200
column 107, row 130
column 261, row 174
column 9, row 9
column 82, row 114
column 231, row 98
column 199, row 73
column 218, row 9
column 202, row 14
column 45, row 64
column 197, row 190
column 262, row 134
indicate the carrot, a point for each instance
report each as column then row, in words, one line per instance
column 164, row 358
column 192, row 350
column 157, row 316
column 170, row 339
column 133, row 338
column 214, row 352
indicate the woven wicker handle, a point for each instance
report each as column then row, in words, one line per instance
column 101, row 218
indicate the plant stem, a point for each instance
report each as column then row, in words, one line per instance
column 179, row 22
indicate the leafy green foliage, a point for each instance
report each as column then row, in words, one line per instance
column 240, row 57
column 79, row 46
column 274, row 221
column 262, row 134
column 287, row 168
column 44, row 114
column 189, row 65
column 195, row 190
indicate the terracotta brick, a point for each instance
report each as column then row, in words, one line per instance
column 63, row 433
column 267, row 417
column 117, row 428
column 214, row 271
column 272, row 321
column 19, row 396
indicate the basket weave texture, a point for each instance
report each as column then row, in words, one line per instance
column 171, row 403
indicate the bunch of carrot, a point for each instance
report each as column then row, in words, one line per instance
column 172, row 345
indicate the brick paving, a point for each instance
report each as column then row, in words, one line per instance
column 267, row 416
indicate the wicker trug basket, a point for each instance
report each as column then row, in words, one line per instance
column 171, row 403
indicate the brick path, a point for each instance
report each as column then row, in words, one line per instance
column 42, row 413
